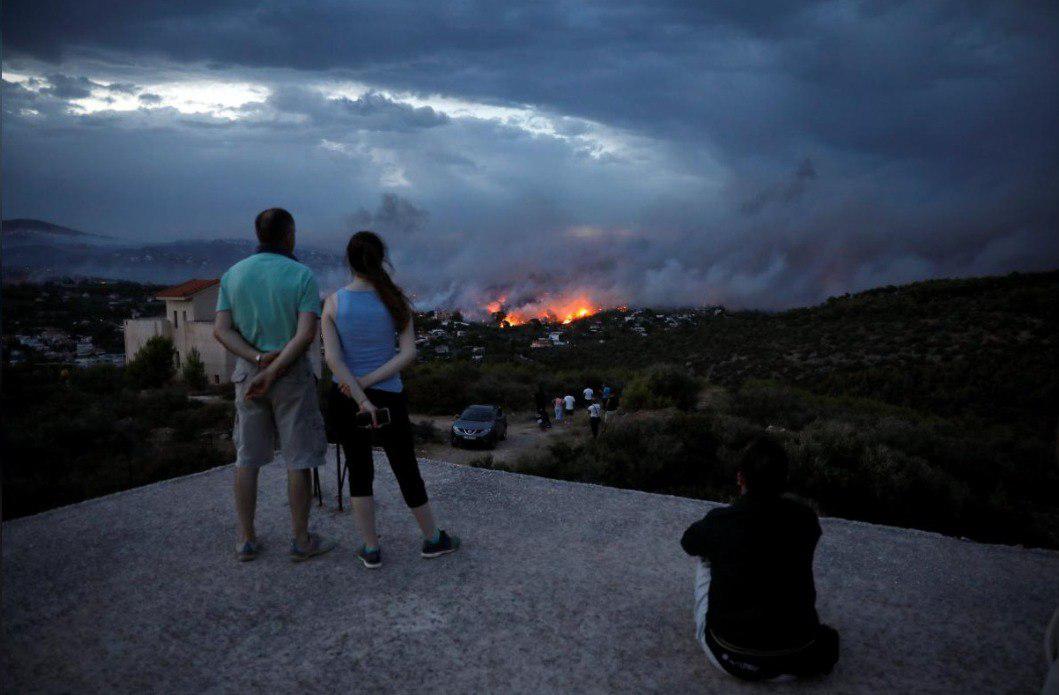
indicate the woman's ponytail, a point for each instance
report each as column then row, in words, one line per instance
column 366, row 254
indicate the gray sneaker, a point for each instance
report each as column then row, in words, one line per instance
column 318, row 545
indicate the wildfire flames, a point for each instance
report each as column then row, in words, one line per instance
column 557, row 311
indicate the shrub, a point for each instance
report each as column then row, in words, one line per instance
column 662, row 386
column 193, row 373
column 425, row 432
column 152, row 366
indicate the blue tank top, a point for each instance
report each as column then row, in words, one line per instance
column 367, row 333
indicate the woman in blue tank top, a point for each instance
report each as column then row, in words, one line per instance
column 368, row 340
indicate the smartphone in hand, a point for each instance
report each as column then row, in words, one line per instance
column 382, row 417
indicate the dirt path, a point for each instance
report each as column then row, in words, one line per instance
column 523, row 435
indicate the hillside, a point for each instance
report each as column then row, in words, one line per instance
column 36, row 251
column 980, row 347
column 27, row 226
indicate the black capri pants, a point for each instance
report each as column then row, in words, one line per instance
column 396, row 439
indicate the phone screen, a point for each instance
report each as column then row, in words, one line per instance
column 382, row 417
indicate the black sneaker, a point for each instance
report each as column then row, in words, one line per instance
column 372, row 560
column 445, row 544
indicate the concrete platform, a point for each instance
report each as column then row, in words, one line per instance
column 560, row 587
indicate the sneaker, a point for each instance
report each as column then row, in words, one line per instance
column 372, row 560
column 445, row 544
column 317, row 546
column 247, row 551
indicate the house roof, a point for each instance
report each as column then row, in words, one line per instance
column 186, row 289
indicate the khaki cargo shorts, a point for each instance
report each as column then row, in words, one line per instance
column 289, row 413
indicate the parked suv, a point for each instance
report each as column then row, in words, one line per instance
column 479, row 424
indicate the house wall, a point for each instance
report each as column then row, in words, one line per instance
column 200, row 307
column 204, row 304
column 219, row 362
column 139, row 331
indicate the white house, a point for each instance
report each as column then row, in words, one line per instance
column 188, row 322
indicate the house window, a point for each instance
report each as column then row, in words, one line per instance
column 185, row 316
column 216, row 378
column 176, row 323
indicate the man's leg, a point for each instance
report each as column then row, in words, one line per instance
column 246, row 502
column 702, row 600
column 300, row 494
column 254, row 437
column 303, row 445
column 702, row 604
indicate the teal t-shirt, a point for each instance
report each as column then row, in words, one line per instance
column 265, row 294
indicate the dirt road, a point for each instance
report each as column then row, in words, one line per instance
column 523, row 435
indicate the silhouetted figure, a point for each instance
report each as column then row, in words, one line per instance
column 595, row 414
column 540, row 401
column 755, row 599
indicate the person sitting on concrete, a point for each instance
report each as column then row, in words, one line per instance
column 268, row 311
column 595, row 414
column 368, row 339
column 755, row 599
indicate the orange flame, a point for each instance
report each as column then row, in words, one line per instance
column 563, row 311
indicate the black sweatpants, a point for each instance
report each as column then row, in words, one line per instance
column 396, row 439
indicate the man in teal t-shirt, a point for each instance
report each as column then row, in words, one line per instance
column 268, row 314
column 265, row 294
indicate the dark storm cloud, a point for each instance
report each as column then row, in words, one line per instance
column 66, row 87
column 774, row 152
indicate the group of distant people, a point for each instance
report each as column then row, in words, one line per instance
column 755, row 599
column 564, row 408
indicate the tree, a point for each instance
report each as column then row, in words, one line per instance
column 457, row 316
column 193, row 372
column 152, row 366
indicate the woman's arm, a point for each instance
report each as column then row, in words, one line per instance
column 405, row 357
column 333, row 354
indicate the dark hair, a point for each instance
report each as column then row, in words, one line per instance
column 366, row 254
column 273, row 225
column 764, row 466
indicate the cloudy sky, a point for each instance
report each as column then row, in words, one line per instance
column 763, row 154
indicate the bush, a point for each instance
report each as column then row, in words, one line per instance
column 425, row 432
column 152, row 367
column 662, row 386
column 193, row 372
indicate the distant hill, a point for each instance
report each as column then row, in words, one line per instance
column 35, row 250
column 27, row 229
column 26, row 226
